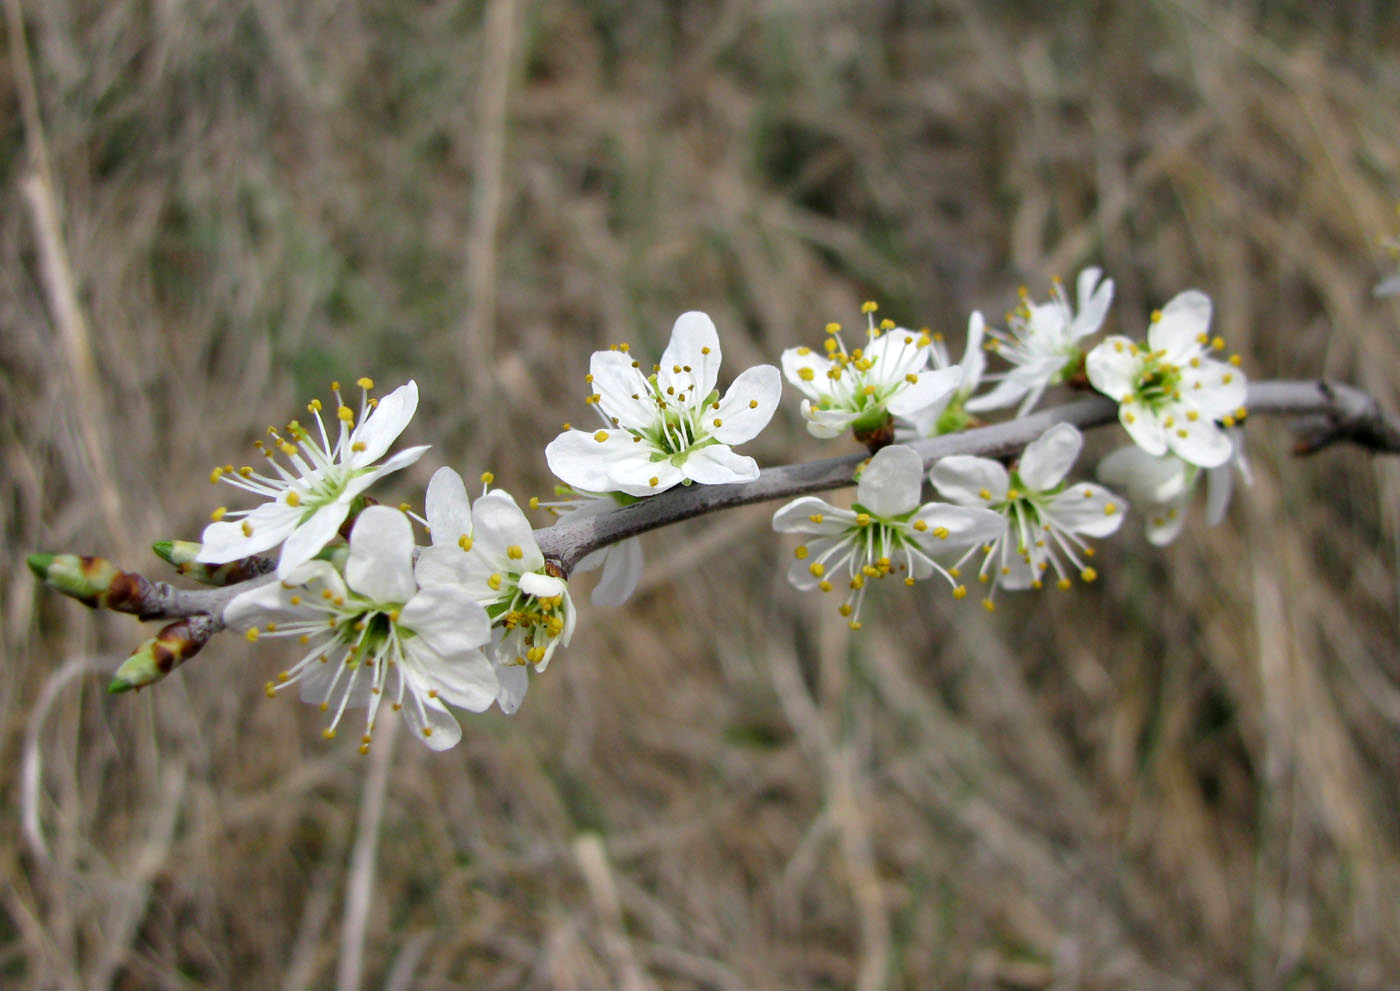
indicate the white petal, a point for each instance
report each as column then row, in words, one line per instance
column 1144, row 428
column 622, row 571
column 401, row 459
column 308, row 539
column 1184, row 319
column 794, row 360
column 747, row 406
column 826, row 423
column 1093, row 303
column 498, row 526
column 1088, row 509
column 447, row 507
column 270, row 524
column 1049, row 458
column 623, row 390
column 441, row 564
column 889, row 486
column 694, row 343
column 1147, row 478
column 965, row 526
column 963, row 478
column 514, row 680
column 795, row 516
column 428, row 714
column 579, row 459
column 1164, row 521
column 542, row 586
column 718, row 465
column 930, row 386
column 1112, row 367
column 380, row 566
column 465, row 679
column 974, row 361
column 1005, row 393
column 1204, row 444
column 382, row 426
column 634, row 475
column 895, row 354
column 446, row 619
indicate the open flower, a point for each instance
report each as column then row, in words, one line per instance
column 861, row 389
column 375, row 632
column 307, row 504
column 885, row 533
column 1042, row 521
column 526, row 600
column 1161, row 486
column 1171, row 393
column 948, row 413
column 669, row 427
column 1043, row 345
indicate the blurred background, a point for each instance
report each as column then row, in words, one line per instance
column 1184, row 775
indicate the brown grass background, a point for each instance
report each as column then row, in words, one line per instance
column 1185, row 775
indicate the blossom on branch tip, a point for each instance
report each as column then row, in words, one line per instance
column 307, row 503
column 1043, row 342
column 377, row 631
column 862, row 388
column 525, row 598
column 885, row 532
column 1161, row 486
column 1042, row 521
column 1170, row 392
column 668, row 427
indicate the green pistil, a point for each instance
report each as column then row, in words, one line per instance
column 1157, row 384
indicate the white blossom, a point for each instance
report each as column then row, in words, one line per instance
column 862, row 388
column 376, row 632
column 504, row 570
column 1170, row 393
column 1042, row 520
column 948, row 413
column 1043, row 342
column 1161, row 486
column 886, row 532
column 669, row 427
column 306, row 504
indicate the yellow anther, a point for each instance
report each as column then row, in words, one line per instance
column 817, row 569
column 515, row 552
column 601, row 436
column 494, row 581
column 844, row 609
column 287, row 448
column 269, row 690
column 753, row 404
column 911, row 378
column 1191, row 415
column 989, row 605
column 653, row 481
column 252, row 635
column 1088, row 574
column 1156, row 316
column 984, row 493
column 869, row 306
column 346, row 414
column 247, row 529
column 800, row 552
column 941, row 532
column 854, row 624
column 293, row 499
column 1129, row 417
column 718, row 422
column 833, row 328
column 1218, row 343
column 705, row 350
column 218, row 514
column 816, row 517
column 365, row 382
column 806, row 374
column 920, row 525
column 909, row 580
column 824, row 585
column 887, row 324
column 1235, row 360
column 1109, row 508
column 1241, row 413
column 862, row 519
column 959, row 591
column 803, row 351
column 464, row 542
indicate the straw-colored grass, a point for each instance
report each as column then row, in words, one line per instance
column 1184, row 775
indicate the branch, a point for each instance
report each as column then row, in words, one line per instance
column 1331, row 412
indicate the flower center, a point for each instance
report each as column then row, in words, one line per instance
column 1158, row 383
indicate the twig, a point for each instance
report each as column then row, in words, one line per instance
column 1332, row 412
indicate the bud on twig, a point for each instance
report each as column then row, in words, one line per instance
column 93, row 581
column 182, row 554
column 164, row 652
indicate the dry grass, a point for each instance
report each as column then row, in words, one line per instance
column 1184, row 775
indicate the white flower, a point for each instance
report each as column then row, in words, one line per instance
column 1171, row 393
column 886, row 531
column 1043, row 344
column 948, row 413
column 862, row 388
column 1042, row 519
column 376, row 632
column 306, row 505
column 530, row 609
column 670, row 427
column 1161, row 486
column 621, row 562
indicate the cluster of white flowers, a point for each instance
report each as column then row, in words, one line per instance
column 459, row 622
